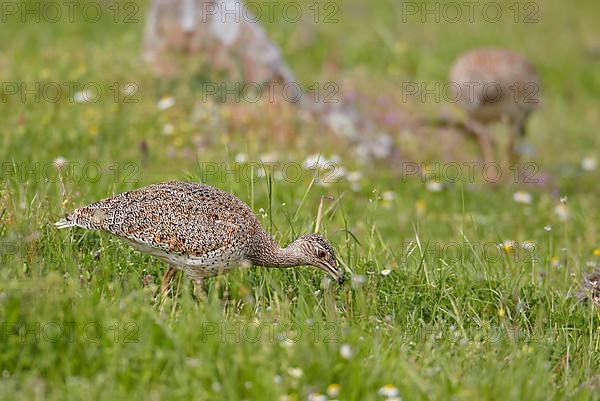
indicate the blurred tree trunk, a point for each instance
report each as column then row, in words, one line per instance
column 222, row 33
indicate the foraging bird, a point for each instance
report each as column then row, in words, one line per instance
column 491, row 85
column 199, row 229
column 590, row 289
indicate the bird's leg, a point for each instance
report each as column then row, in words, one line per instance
column 484, row 140
column 511, row 155
column 165, row 284
column 477, row 130
column 199, row 292
column 487, row 148
column 517, row 134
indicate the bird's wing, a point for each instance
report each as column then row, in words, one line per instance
column 177, row 218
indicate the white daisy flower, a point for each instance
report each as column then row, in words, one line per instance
column 358, row 280
column 528, row 245
column 333, row 390
column 80, row 97
column 346, row 351
column 268, row 158
column 434, row 186
column 341, row 124
column 168, row 129
column 388, row 196
column 522, row 197
column 295, row 372
column 589, row 164
column 508, row 245
column 562, row 212
column 129, row 88
column 388, row 391
column 354, row 176
column 166, row 103
column 59, row 162
column 316, row 161
column 317, row 397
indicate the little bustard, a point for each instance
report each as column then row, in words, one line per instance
column 199, row 229
column 494, row 85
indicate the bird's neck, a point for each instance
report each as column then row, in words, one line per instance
column 266, row 252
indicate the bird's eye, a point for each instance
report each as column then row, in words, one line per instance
column 321, row 254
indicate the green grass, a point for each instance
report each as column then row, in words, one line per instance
column 457, row 318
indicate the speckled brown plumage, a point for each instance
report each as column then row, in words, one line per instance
column 199, row 229
column 503, row 84
column 493, row 85
column 590, row 289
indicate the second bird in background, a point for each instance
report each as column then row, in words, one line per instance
column 495, row 85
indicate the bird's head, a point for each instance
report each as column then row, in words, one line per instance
column 315, row 251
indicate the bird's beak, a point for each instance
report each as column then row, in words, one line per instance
column 335, row 272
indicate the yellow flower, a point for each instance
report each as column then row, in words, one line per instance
column 77, row 72
column 93, row 130
column 333, row 390
column 555, row 261
column 501, row 312
column 597, row 252
column 508, row 245
column 401, row 47
column 527, row 349
column 90, row 113
column 81, row 69
column 45, row 74
column 392, row 69
column 420, row 206
column 225, row 113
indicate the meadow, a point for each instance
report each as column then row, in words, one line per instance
column 457, row 289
